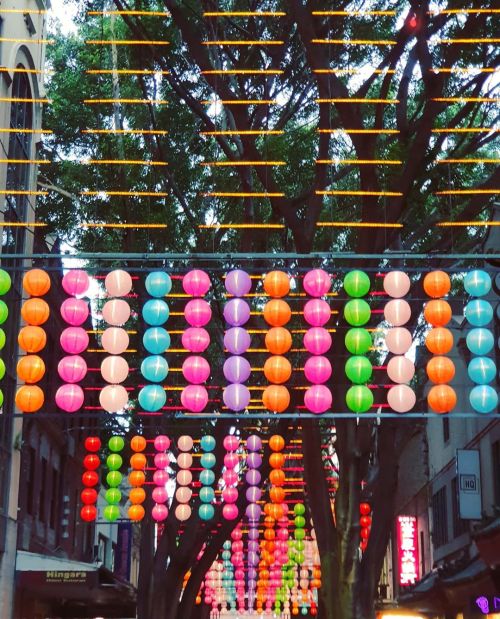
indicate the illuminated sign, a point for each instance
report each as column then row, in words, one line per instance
column 407, row 550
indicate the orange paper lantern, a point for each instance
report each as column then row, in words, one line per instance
column 277, row 369
column 437, row 312
column 137, row 496
column 437, row 284
column 278, row 340
column 277, row 477
column 36, row 282
column 439, row 341
column 138, row 443
column 138, row 461
column 277, row 312
column 35, row 311
column 32, row 339
column 29, row 398
column 136, row 512
column 440, row 370
column 31, row 368
column 277, row 461
column 276, row 398
column 277, row 494
column 442, row 398
column 136, row 478
column 276, row 442
column 277, row 284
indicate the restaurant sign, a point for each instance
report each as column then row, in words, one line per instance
column 407, row 550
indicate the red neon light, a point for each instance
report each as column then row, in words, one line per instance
column 407, row 550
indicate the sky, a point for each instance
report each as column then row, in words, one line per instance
column 64, row 11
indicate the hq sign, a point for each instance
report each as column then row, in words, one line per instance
column 407, row 550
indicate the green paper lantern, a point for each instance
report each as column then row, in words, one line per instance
column 300, row 522
column 5, row 282
column 4, row 312
column 301, row 557
column 113, row 496
column 359, row 398
column 2, row 369
column 356, row 283
column 357, row 312
column 116, row 443
column 358, row 369
column 114, row 462
column 2, row 338
column 111, row 513
column 1, row 397
column 299, row 534
column 114, row 479
column 299, row 509
column 358, row 341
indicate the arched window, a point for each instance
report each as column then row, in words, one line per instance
column 18, row 174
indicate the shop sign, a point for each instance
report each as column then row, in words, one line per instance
column 469, row 484
column 407, row 550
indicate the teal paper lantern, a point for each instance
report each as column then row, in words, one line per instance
column 477, row 283
column 156, row 340
column 356, row 283
column 154, row 368
column 158, row 284
column 207, row 443
column 207, row 494
column 207, row 477
column 483, row 399
column 482, row 370
column 207, row 461
column 359, row 398
column 206, row 511
column 480, row 341
column 155, row 312
column 479, row 312
column 357, row 312
column 152, row 398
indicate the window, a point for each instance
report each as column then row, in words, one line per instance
column 495, row 457
column 54, row 503
column 446, row 429
column 439, row 518
column 42, row 507
column 459, row 525
column 30, row 479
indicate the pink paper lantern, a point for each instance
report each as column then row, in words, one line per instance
column 400, row 369
column 231, row 442
column 113, row 398
column 194, row 398
column 318, row 399
column 161, row 460
column 317, row 283
column 397, row 312
column 159, row 494
column 160, row 478
column 115, row 340
column 196, row 369
column 196, row 283
column 197, row 312
column 317, row 341
column 397, row 284
column 116, row 312
column 195, row 339
column 118, row 283
column 230, row 495
column 230, row 511
column 74, row 340
column 398, row 340
column 72, row 369
column 317, row 369
column 69, row 398
column 159, row 512
column 161, row 442
column 75, row 282
column 74, row 311
column 114, row 369
column 230, row 477
column 401, row 398
column 231, row 460
column 317, row 312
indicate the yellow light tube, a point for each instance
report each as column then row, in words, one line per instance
column 465, row 69
column 467, row 223
column 466, row 192
column 244, row 132
column 124, row 193
column 24, row 100
column 23, row 11
column 244, row 14
column 468, row 99
column 130, row 12
column 356, row 224
column 122, row 161
column 375, row 131
column 242, row 226
column 144, row 101
column 356, row 100
column 359, row 161
column 22, row 192
column 352, row 13
column 32, row 41
column 126, row 72
column 240, row 163
column 468, row 161
column 352, row 71
column 11, row 130
column 467, row 130
column 242, row 194
column 241, row 102
column 250, row 42
column 353, row 42
column 23, row 70
column 464, row 11
column 462, row 41
column 124, row 42
column 27, row 161
column 19, row 224
column 243, row 72
column 118, row 225
column 357, row 193
column 126, row 131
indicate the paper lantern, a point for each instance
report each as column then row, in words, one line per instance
column 196, row 283
column 317, row 312
column 30, row 368
column 317, row 369
column 317, row 341
column 317, row 283
column 236, row 369
column 196, row 369
column 440, row 369
column 74, row 340
column 358, row 341
column 154, row 368
column 72, row 369
column 277, row 369
column 356, row 283
column 116, row 312
column 29, row 398
column 439, row 341
column 437, row 284
column 5, row 282
column 88, row 496
column 159, row 512
column 277, row 284
column 88, row 513
column 3, row 340
column 74, row 311
column 158, row 284
column 91, row 462
column 357, row 312
column 90, row 479
column 152, row 398
column 115, row 340
column 36, row 282
column 118, row 283
column 397, row 284
column 483, row 399
column 75, row 282
column 161, row 443
column 477, row 283
column 479, row 312
column 113, row 398
column 401, row 398
column 236, row 312
column 156, row 340
column 32, row 339
column 398, row 340
column 237, row 340
column 138, row 443
column 278, row 340
column 238, row 283
column 69, row 398
column 358, row 369
column 359, row 399
column 277, row 312
column 155, row 312
column 397, row 312
column 480, row 341
column 194, row 398
column 92, row 443
column 236, row 397
column 113, row 496
column 35, row 311
column 116, row 443
column 195, row 339
column 114, row 369
column 276, row 398
column 442, row 398
column 482, row 370
column 111, row 513
column 197, row 312
column 437, row 312
column 400, row 369
column 318, row 399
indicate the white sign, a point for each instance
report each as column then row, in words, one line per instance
column 469, row 484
